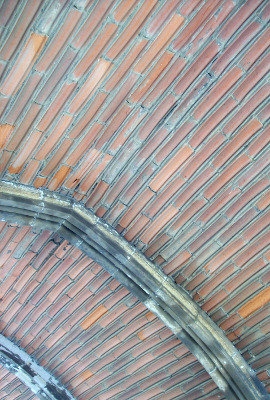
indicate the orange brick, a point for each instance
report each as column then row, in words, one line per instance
column 124, row 9
column 264, row 201
column 57, row 158
column 136, row 207
column 30, row 171
column 160, row 65
column 162, row 40
column 59, row 177
column 94, row 317
column 97, row 194
column 236, row 142
column 257, row 302
column 39, row 182
column 137, row 227
column 23, row 64
column 259, row 143
column 177, row 262
column 170, row 168
column 219, row 90
column 59, row 40
column 95, row 49
column 95, row 171
column 132, row 28
column 227, row 175
column 159, row 223
column 5, row 133
column 94, row 80
column 25, row 152
column 196, row 22
column 54, row 137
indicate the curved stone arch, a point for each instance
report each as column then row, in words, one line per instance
column 171, row 303
column 39, row 381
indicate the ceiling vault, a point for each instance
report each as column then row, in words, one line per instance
column 170, row 302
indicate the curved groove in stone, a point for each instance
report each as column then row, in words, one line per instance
column 39, row 381
column 171, row 303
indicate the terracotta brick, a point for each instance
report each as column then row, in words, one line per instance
column 238, row 141
column 259, row 143
column 212, row 122
column 57, row 158
column 94, row 173
column 246, row 110
column 220, row 89
column 159, row 223
column 5, row 133
column 252, row 78
column 224, row 255
column 197, row 183
column 95, row 50
column 135, row 229
column 177, row 262
column 187, row 215
column 23, row 64
column 24, row 128
column 259, row 225
column 56, row 106
column 253, row 249
column 54, row 137
column 170, row 168
column 197, row 20
column 124, row 9
column 162, row 40
column 93, row 317
column 202, row 155
column 211, row 26
column 236, row 46
column 254, row 170
column 151, row 77
column 132, row 29
column 255, row 303
column 24, row 154
column 136, row 207
column 24, row 97
column 196, row 68
column 59, row 40
column 264, row 201
column 97, row 15
column 120, row 73
column 238, row 19
column 59, row 177
column 227, row 175
column 91, row 84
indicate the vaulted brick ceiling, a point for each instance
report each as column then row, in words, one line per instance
column 153, row 114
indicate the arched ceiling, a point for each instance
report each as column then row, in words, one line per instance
column 153, row 115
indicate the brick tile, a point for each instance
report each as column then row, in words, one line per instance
column 56, row 106
column 228, row 55
column 121, row 72
column 212, row 122
column 242, row 161
column 254, row 170
column 259, row 225
column 59, row 40
column 5, row 133
column 95, row 50
column 246, row 110
column 255, row 303
column 91, row 84
column 24, row 127
column 24, row 63
column 59, row 177
column 259, row 143
column 159, row 223
column 162, row 40
column 224, row 255
column 136, row 207
column 170, row 168
column 97, row 15
column 153, row 75
column 59, row 288
column 196, row 22
column 177, row 262
column 252, row 250
column 30, row 173
column 220, row 89
column 132, row 28
column 24, row 154
column 196, row 68
column 238, row 19
column 94, row 317
column 264, row 201
column 24, row 97
column 194, row 187
column 124, row 9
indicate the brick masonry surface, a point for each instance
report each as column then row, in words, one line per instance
column 155, row 114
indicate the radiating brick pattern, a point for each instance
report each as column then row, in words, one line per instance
column 87, row 329
column 154, row 114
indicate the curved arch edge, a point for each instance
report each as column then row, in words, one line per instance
column 35, row 377
column 171, row 303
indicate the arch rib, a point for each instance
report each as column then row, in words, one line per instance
column 171, row 303
column 39, row 381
